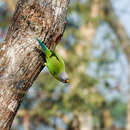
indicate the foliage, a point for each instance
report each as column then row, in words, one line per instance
column 51, row 99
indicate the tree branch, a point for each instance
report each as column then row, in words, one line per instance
column 114, row 22
column 21, row 59
column 10, row 4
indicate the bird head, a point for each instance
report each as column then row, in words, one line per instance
column 63, row 77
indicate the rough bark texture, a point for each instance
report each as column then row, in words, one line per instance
column 21, row 59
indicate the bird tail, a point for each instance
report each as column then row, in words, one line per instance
column 42, row 45
column 45, row 49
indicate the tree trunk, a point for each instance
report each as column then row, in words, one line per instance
column 21, row 58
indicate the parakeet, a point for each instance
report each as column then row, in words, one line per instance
column 54, row 63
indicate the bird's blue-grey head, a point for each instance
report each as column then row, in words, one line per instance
column 64, row 77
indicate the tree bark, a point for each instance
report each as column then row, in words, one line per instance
column 21, row 58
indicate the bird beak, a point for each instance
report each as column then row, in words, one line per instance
column 67, row 81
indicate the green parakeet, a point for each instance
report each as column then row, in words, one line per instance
column 55, row 64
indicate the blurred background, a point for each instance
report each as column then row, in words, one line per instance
column 96, row 50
